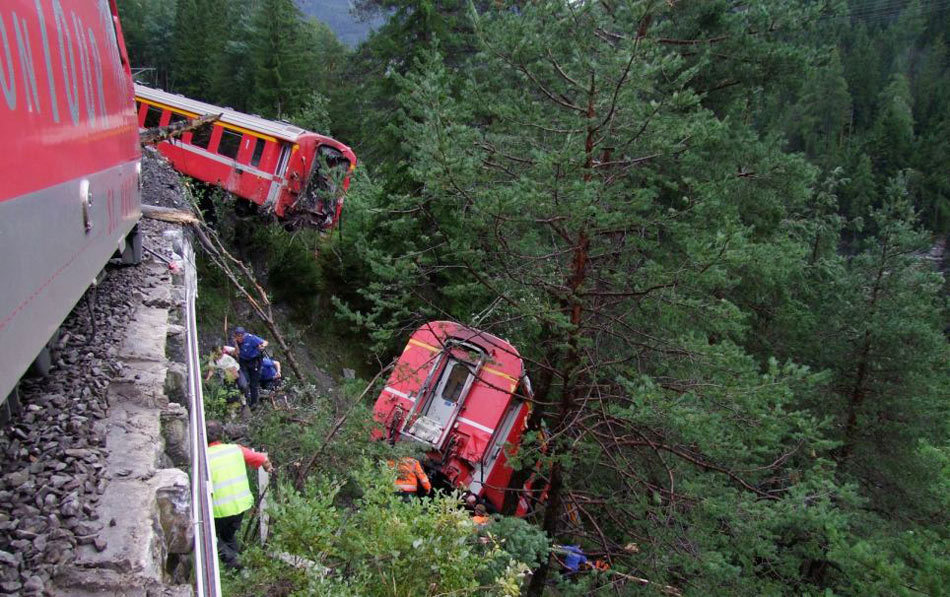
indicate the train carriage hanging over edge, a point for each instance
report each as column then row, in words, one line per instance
column 460, row 392
column 298, row 175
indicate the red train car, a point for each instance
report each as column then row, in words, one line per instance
column 459, row 391
column 69, row 177
column 298, row 175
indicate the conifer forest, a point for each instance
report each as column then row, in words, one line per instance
column 715, row 230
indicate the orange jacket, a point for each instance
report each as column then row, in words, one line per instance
column 410, row 475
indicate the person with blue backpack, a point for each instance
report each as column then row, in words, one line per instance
column 270, row 373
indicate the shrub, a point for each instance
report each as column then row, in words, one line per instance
column 380, row 545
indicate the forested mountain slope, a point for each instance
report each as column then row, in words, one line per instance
column 349, row 28
column 701, row 223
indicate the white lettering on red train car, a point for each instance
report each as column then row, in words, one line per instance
column 86, row 70
column 64, row 89
column 49, row 61
column 79, row 60
column 97, row 64
column 8, row 76
column 70, row 82
column 106, row 24
column 26, row 63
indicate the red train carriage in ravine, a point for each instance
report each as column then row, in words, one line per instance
column 298, row 175
column 69, row 177
column 459, row 391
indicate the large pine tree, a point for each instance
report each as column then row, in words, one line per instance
column 199, row 34
column 281, row 57
column 587, row 185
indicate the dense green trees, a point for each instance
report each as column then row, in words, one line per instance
column 599, row 203
column 148, row 27
column 279, row 53
column 260, row 56
column 895, row 69
column 706, row 225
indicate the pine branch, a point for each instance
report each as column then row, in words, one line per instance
column 163, row 133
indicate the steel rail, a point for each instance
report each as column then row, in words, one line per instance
column 207, row 574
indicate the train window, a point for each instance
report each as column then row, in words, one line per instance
column 153, row 117
column 338, row 165
column 258, row 152
column 230, row 143
column 202, row 135
column 454, row 381
column 176, row 117
column 331, row 169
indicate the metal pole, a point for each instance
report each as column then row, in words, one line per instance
column 207, row 575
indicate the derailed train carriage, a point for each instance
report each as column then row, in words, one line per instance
column 460, row 392
column 298, row 175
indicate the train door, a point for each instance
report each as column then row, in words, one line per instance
column 485, row 466
column 441, row 406
column 455, row 377
column 283, row 159
column 273, row 196
column 254, row 183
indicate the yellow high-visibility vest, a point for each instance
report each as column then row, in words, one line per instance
column 231, row 493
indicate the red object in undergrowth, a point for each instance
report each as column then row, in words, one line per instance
column 461, row 392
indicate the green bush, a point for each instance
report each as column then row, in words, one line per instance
column 379, row 545
column 220, row 399
column 295, row 277
column 514, row 540
column 292, row 436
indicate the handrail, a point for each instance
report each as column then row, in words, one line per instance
column 207, row 575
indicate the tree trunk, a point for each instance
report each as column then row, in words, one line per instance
column 859, row 392
column 163, row 133
column 570, row 365
column 265, row 316
column 558, row 446
column 539, row 410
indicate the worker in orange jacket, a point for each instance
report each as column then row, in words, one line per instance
column 410, row 476
column 480, row 517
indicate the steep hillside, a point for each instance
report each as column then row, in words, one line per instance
column 336, row 13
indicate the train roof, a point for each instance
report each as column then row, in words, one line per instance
column 282, row 130
column 501, row 351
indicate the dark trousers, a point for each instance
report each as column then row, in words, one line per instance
column 226, row 528
column 242, row 382
column 252, row 371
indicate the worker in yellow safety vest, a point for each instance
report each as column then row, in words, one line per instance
column 231, row 493
column 410, row 476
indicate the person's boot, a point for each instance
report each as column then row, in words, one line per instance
column 228, row 556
